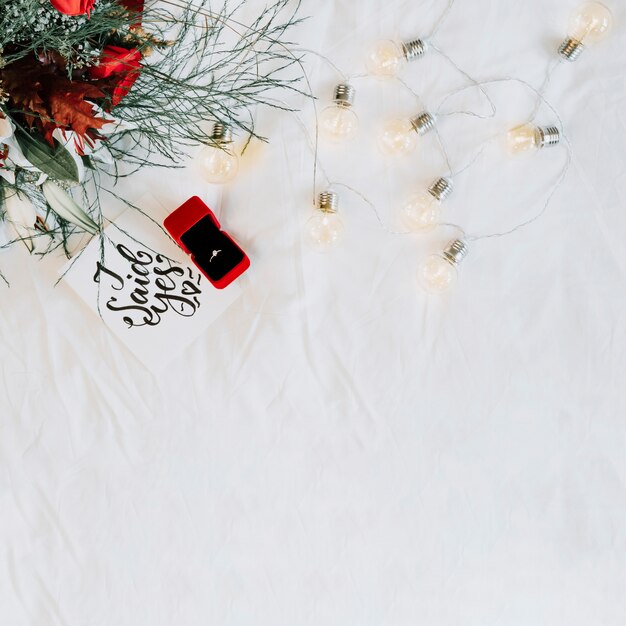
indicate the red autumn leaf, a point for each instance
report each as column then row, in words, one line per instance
column 48, row 99
column 70, row 110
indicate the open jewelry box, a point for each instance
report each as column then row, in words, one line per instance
column 215, row 253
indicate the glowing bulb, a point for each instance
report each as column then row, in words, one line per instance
column 219, row 165
column 438, row 273
column 528, row 138
column 589, row 24
column 388, row 58
column 325, row 228
column 398, row 137
column 422, row 211
column 338, row 122
column 218, row 162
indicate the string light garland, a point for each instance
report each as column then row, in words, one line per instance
column 422, row 210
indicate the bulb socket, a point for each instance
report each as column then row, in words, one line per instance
column 221, row 133
column 414, row 49
column 441, row 189
column 571, row 49
column 455, row 251
column 423, row 123
column 547, row 136
column 328, row 202
column 344, row 95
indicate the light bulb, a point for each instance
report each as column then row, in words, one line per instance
column 438, row 272
column 398, row 137
column 421, row 212
column 589, row 24
column 218, row 163
column 388, row 58
column 338, row 122
column 528, row 138
column 325, row 228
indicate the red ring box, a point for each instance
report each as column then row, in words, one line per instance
column 194, row 227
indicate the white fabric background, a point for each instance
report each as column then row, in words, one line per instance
column 339, row 449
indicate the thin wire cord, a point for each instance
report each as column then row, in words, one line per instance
column 412, row 91
column 473, row 83
column 372, row 206
column 444, row 151
column 544, row 88
column 544, row 208
column 312, row 145
column 439, row 23
column 456, row 227
column 344, row 77
column 508, row 79
column 476, row 157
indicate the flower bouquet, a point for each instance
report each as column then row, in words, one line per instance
column 91, row 90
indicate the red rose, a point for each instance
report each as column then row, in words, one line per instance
column 82, row 7
column 122, row 66
column 73, row 7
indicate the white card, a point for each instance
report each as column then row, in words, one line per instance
column 146, row 290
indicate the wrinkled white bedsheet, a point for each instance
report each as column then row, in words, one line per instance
column 339, row 449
